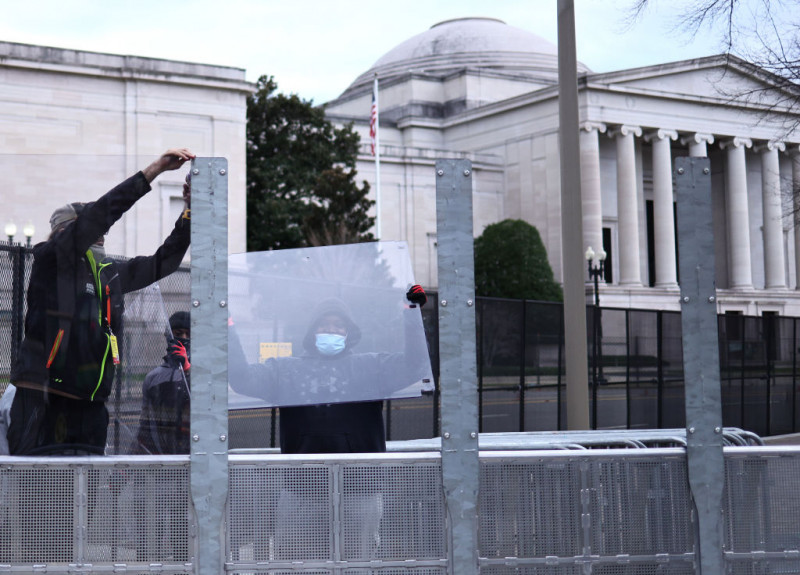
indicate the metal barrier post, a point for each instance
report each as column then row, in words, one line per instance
column 458, row 374
column 209, row 405
column 706, row 465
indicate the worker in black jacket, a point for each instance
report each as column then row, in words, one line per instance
column 164, row 418
column 72, row 344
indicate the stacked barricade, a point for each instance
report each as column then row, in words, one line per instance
column 600, row 510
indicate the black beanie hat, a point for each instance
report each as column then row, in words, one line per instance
column 180, row 320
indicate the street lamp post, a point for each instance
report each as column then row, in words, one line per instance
column 28, row 230
column 11, row 231
column 596, row 263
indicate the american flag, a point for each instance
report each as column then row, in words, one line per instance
column 373, row 119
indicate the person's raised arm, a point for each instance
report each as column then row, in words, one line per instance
column 172, row 159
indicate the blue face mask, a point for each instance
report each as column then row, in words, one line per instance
column 330, row 343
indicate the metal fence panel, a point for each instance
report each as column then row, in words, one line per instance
column 762, row 503
column 352, row 511
column 672, row 395
column 780, row 419
column 643, row 382
column 536, row 508
column 645, row 370
column 597, row 511
column 86, row 515
column 641, row 506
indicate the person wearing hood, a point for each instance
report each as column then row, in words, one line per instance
column 312, row 389
column 164, row 418
column 72, row 343
column 310, row 423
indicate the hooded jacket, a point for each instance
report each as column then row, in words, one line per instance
column 164, row 418
column 346, row 427
column 75, row 303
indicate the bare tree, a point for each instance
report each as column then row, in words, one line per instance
column 761, row 37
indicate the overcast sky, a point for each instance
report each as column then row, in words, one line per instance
column 316, row 48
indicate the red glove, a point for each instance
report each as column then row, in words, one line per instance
column 417, row 295
column 178, row 354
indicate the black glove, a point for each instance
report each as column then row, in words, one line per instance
column 417, row 295
column 177, row 353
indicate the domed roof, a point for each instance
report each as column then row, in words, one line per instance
column 468, row 43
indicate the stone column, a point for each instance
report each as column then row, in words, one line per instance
column 663, row 213
column 591, row 190
column 627, row 205
column 774, row 257
column 697, row 144
column 737, row 213
column 794, row 154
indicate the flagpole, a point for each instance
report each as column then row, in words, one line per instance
column 377, row 161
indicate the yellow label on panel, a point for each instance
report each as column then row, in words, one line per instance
column 114, row 348
column 279, row 349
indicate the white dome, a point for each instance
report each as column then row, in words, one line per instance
column 468, row 43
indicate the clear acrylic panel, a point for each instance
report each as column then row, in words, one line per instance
column 281, row 300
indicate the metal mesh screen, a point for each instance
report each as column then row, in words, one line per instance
column 620, row 568
column 536, row 509
column 392, row 512
column 743, row 365
column 614, row 345
column 673, row 392
column 501, row 376
column 414, row 418
column 532, row 570
column 544, row 335
column 781, row 394
column 284, row 513
column 601, row 511
column 499, row 410
column 39, row 507
column 641, row 507
column 644, row 372
column 762, row 503
column 279, row 513
column 144, row 513
column 133, row 514
column 549, row 511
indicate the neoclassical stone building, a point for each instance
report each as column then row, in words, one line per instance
column 73, row 124
column 480, row 89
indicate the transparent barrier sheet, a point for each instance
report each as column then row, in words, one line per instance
column 150, row 406
column 324, row 325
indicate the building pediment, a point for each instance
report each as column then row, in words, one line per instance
column 723, row 80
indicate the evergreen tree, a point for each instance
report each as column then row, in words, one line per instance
column 511, row 262
column 338, row 213
column 293, row 153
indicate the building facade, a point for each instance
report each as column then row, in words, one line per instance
column 75, row 123
column 479, row 89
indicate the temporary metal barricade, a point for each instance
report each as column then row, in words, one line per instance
column 610, row 511
column 566, row 511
